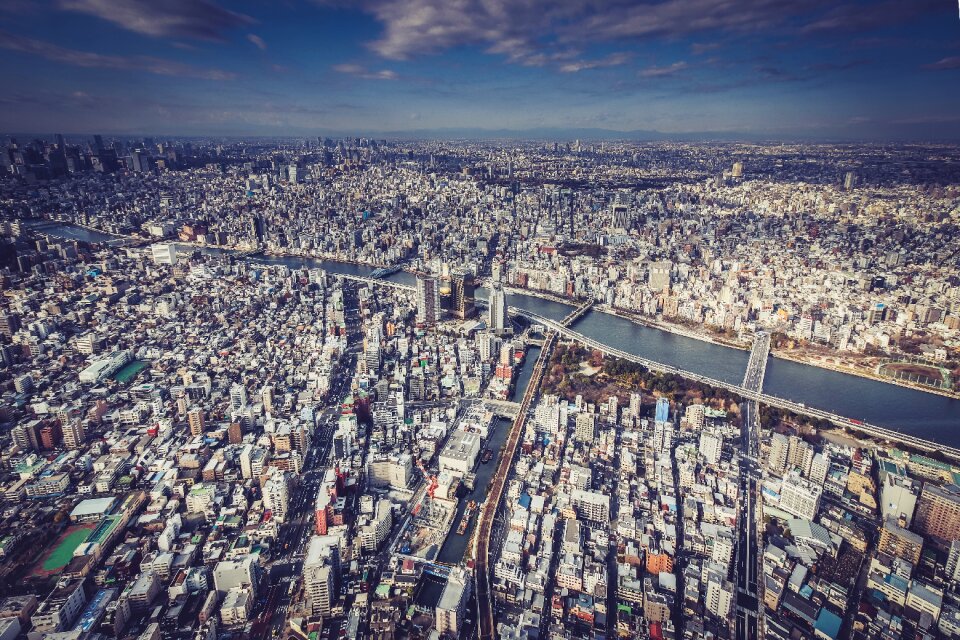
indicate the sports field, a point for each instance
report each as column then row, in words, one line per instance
column 129, row 371
column 61, row 552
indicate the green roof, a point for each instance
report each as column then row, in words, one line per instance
column 930, row 462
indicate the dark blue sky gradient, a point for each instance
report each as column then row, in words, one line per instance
column 802, row 69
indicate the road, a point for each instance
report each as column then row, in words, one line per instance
column 749, row 611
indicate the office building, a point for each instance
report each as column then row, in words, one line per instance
column 375, row 530
column 276, row 494
column 799, row 496
column 241, row 572
column 497, row 318
column 659, row 275
column 320, row 567
column 462, row 288
column 938, row 512
column 428, row 301
column 898, row 498
column 452, row 605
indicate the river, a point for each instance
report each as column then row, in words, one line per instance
column 924, row 415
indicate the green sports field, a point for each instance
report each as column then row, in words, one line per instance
column 129, row 371
column 62, row 551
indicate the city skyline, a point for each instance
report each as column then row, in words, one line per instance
column 857, row 70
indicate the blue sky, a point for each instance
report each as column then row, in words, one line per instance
column 886, row 69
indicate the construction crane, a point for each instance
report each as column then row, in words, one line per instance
column 431, row 479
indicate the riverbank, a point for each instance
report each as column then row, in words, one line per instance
column 861, row 372
column 703, row 336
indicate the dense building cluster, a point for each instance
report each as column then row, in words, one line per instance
column 854, row 253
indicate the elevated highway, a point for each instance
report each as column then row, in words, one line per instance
column 488, row 513
column 757, row 395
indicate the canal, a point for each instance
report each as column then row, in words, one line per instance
column 456, row 545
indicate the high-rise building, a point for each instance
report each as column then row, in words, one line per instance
column 819, row 468
column 849, row 180
column 800, row 455
column 428, row 301
column 898, row 497
column 779, row 450
column 375, row 531
column 498, row 320
column 799, row 496
column 662, row 413
column 453, row 601
column 462, row 287
column 196, row 420
column 320, row 568
column 737, row 170
column 74, row 434
column 238, row 397
column 585, row 430
column 720, row 595
column 938, row 512
column 240, row 572
column 710, row 446
column 276, row 494
column 9, row 324
column 899, row 542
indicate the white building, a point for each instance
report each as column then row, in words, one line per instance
column 720, row 595
column 320, row 566
column 276, row 494
column 164, row 253
column 799, row 496
column 375, row 531
column 236, row 606
column 497, row 318
column 461, row 451
column 242, row 572
column 591, row 505
column 710, row 446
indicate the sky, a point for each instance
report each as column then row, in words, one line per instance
column 779, row 69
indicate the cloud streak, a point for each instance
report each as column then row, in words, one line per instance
column 362, row 72
column 192, row 19
column 91, row 60
column 943, row 64
column 661, row 72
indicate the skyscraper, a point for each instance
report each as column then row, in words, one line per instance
column 463, row 303
column 498, row 320
column 428, row 301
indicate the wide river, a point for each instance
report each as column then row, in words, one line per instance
column 923, row 415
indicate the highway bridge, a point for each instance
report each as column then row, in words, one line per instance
column 576, row 314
